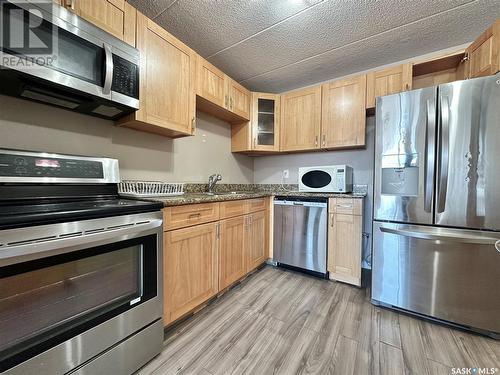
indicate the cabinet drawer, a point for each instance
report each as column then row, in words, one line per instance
column 185, row 216
column 256, row 204
column 233, row 208
column 348, row 206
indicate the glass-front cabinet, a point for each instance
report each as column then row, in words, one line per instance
column 262, row 133
column 265, row 121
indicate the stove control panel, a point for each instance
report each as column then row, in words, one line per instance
column 19, row 165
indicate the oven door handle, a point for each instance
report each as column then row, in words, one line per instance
column 12, row 254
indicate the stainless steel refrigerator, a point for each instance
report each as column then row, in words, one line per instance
column 436, row 229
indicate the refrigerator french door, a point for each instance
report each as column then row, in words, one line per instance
column 436, row 244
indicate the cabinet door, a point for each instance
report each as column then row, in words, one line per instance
column 190, row 269
column 211, row 83
column 114, row 16
column 265, row 121
column 167, row 95
column 232, row 252
column 256, row 239
column 301, row 119
column 239, row 99
column 344, row 248
column 343, row 113
column 386, row 82
column 484, row 54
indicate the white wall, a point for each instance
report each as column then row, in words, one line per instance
column 268, row 170
column 33, row 126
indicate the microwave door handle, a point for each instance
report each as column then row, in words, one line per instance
column 108, row 69
column 443, row 153
column 430, row 152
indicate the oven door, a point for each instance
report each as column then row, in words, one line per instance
column 77, row 58
column 70, row 291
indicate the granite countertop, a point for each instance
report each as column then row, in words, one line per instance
column 200, row 197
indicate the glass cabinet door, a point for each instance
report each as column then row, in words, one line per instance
column 266, row 119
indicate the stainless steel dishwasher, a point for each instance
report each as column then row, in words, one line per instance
column 300, row 227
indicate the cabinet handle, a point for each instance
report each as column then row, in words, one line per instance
column 231, row 103
column 255, row 142
column 324, row 140
column 331, row 220
column 193, row 125
column 225, row 101
column 192, row 216
column 344, row 205
column 70, row 4
column 217, row 230
column 316, row 141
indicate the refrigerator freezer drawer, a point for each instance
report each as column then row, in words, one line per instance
column 448, row 274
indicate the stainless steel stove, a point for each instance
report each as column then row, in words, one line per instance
column 80, row 268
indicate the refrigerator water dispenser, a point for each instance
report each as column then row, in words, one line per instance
column 400, row 181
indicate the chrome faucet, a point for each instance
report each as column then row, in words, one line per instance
column 212, row 180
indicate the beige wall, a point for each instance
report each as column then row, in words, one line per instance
column 32, row 126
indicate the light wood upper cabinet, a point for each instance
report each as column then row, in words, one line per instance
column 345, row 226
column 232, row 251
column 484, row 53
column 117, row 17
column 262, row 132
column 238, row 99
column 219, row 95
column 343, row 113
column 256, row 239
column 301, row 119
column 190, row 268
column 167, row 77
column 210, row 82
column 387, row 81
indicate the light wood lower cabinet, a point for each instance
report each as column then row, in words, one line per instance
column 200, row 260
column 345, row 232
column 232, row 252
column 190, row 265
column 256, row 239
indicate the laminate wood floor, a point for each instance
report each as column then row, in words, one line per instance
column 282, row 322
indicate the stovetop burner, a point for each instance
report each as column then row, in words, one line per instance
column 34, row 213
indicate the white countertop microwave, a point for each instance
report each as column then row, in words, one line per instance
column 326, row 179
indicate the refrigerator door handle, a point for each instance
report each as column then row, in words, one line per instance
column 444, row 153
column 443, row 235
column 430, row 152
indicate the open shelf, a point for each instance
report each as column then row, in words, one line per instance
column 441, row 70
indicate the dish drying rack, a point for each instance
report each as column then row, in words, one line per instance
column 149, row 189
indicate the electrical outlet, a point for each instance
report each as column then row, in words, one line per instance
column 286, row 173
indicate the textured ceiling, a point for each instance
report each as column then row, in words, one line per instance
column 279, row 45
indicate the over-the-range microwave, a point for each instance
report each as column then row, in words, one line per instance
column 50, row 55
column 326, row 179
